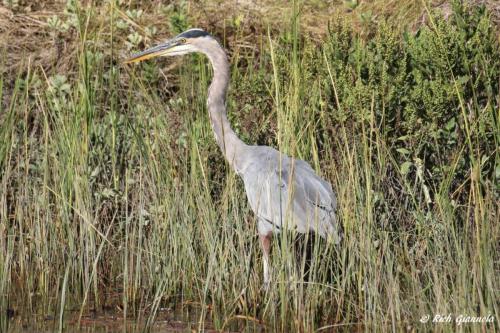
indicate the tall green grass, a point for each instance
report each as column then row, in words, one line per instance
column 113, row 192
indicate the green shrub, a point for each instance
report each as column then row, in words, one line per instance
column 434, row 94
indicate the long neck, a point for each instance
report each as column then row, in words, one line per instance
column 227, row 140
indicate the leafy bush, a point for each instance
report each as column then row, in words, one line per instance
column 434, row 94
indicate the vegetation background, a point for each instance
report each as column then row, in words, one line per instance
column 116, row 203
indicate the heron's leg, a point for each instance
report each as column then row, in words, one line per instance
column 265, row 242
column 265, row 233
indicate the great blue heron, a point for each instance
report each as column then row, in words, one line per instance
column 284, row 192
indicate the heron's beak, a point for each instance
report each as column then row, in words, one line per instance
column 156, row 51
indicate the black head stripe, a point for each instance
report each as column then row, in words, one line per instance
column 193, row 33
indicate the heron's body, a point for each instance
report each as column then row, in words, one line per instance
column 283, row 192
column 286, row 193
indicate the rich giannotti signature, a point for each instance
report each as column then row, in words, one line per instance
column 457, row 319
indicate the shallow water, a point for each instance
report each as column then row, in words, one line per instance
column 108, row 321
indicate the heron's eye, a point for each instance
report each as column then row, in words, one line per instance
column 183, row 40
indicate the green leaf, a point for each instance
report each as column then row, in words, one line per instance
column 403, row 138
column 450, row 124
column 403, row 151
column 405, row 167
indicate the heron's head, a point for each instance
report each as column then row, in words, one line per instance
column 192, row 40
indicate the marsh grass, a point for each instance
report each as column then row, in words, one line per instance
column 113, row 192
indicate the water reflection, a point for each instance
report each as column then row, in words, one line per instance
column 107, row 321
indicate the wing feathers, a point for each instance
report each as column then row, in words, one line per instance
column 287, row 192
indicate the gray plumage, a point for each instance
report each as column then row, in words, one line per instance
column 287, row 193
column 283, row 192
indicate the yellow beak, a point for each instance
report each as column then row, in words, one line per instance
column 156, row 51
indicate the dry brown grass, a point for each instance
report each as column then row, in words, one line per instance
column 25, row 35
